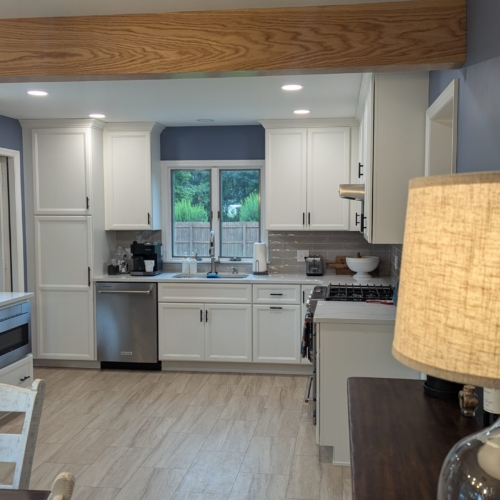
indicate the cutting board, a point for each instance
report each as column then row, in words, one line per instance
column 340, row 266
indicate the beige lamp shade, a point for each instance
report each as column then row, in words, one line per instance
column 448, row 309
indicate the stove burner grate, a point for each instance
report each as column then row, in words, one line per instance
column 358, row 293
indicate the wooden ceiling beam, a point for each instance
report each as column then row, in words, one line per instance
column 418, row 34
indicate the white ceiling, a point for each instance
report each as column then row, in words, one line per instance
column 54, row 8
column 180, row 102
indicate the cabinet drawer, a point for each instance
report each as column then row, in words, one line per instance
column 279, row 294
column 204, row 292
column 19, row 373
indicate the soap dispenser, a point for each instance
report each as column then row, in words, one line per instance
column 193, row 265
column 185, row 264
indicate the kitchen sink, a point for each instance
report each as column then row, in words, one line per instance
column 197, row 276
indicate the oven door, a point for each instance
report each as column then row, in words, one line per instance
column 15, row 339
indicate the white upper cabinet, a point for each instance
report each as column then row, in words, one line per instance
column 286, row 156
column 328, row 156
column 304, row 167
column 62, row 171
column 394, row 115
column 132, row 175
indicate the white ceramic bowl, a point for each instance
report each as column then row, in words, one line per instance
column 362, row 266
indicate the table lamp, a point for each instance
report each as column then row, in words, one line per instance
column 448, row 312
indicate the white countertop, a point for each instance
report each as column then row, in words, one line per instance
column 9, row 298
column 288, row 279
column 354, row 312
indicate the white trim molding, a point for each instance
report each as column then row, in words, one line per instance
column 213, row 163
column 16, row 213
column 443, row 110
column 310, row 123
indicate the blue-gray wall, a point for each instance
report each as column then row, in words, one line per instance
column 213, row 143
column 478, row 146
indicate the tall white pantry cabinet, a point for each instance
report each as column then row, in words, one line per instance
column 66, row 242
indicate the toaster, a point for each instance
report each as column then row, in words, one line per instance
column 314, row 265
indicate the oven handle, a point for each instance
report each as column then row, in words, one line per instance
column 307, row 395
column 14, row 322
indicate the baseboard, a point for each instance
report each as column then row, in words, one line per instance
column 202, row 366
column 63, row 363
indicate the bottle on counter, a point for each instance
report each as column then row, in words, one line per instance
column 185, row 264
column 491, row 405
column 193, row 265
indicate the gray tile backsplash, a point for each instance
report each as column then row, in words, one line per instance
column 126, row 238
column 283, row 248
column 396, row 251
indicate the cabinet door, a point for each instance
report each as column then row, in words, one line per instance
column 181, row 331
column 328, row 166
column 276, row 334
column 228, row 332
column 286, row 179
column 61, row 163
column 127, row 163
column 65, row 317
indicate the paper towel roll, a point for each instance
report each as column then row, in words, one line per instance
column 259, row 258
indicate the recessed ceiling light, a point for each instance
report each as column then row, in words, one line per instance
column 291, row 87
column 97, row 115
column 39, row 93
column 205, row 120
column 301, row 111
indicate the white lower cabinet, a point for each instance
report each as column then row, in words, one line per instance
column 19, row 374
column 64, row 296
column 205, row 332
column 276, row 334
column 182, row 331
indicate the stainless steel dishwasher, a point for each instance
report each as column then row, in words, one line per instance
column 126, row 323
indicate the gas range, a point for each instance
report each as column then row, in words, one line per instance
column 349, row 293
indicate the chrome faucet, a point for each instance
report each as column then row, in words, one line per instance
column 234, row 270
column 211, row 252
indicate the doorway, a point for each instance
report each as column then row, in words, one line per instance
column 11, row 223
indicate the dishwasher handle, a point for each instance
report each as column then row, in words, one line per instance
column 140, row 292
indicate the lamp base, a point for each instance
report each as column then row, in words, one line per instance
column 442, row 389
column 471, row 470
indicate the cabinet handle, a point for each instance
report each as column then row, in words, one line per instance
column 88, row 203
column 360, row 166
column 303, row 297
column 206, row 316
column 201, row 316
column 88, row 275
column 275, row 308
column 149, row 218
column 279, row 294
column 25, row 378
column 363, row 226
column 309, row 218
column 303, row 218
column 357, row 217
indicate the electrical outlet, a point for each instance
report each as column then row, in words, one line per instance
column 301, row 254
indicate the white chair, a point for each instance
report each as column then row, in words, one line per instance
column 62, row 487
column 20, row 448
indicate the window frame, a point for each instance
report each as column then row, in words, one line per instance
column 215, row 167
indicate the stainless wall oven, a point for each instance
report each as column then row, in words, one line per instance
column 15, row 333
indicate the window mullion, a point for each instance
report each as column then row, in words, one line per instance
column 216, row 221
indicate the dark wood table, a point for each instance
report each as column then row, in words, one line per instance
column 24, row 495
column 400, row 438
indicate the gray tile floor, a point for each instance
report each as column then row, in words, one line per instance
column 168, row 435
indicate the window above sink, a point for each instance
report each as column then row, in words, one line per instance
column 223, row 196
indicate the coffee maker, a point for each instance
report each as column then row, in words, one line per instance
column 142, row 252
